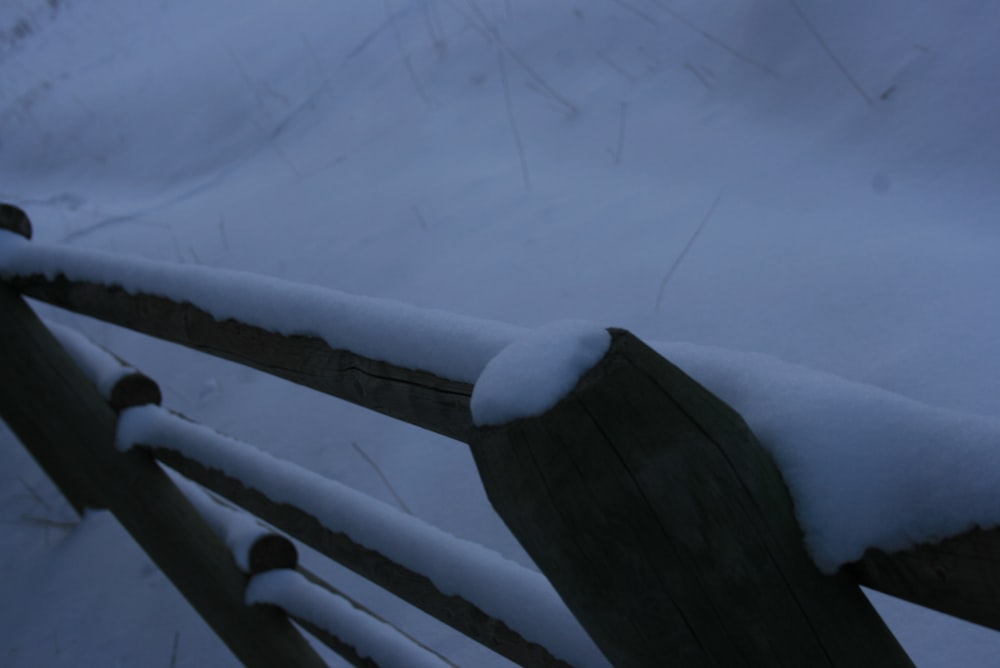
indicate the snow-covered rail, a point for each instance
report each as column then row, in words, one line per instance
column 454, row 581
column 644, row 499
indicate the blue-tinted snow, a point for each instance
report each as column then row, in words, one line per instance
column 305, row 141
column 370, row 637
column 539, row 368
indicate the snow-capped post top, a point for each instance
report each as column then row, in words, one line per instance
column 533, row 373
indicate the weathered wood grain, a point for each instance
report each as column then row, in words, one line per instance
column 418, row 397
column 959, row 576
column 58, row 414
column 668, row 530
column 410, row 586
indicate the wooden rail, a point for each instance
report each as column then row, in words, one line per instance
column 414, row 588
column 645, row 500
column 418, row 397
column 77, row 451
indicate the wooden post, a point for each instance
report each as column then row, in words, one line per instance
column 668, row 530
column 57, row 462
column 61, row 418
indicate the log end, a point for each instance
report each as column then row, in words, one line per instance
column 134, row 389
column 15, row 219
column 271, row 552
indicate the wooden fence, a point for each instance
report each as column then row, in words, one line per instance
column 645, row 501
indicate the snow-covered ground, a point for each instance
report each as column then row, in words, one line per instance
column 814, row 182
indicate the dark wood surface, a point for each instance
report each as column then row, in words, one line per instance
column 60, row 417
column 410, row 586
column 14, row 219
column 668, row 530
column 418, row 397
column 956, row 576
column 959, row 576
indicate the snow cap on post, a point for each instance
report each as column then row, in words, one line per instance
column 533, row 373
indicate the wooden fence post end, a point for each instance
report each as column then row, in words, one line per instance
column 15, row 219
column 134, row 389
column 667, row 529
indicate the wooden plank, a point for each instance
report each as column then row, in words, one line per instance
column 410, row 586
column 418, row 397
column 668, row 530
column 959, row 576
column 60, row 417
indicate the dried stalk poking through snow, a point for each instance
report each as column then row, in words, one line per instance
column 829, row 51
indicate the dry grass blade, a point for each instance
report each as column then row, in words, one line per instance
column 34, row 493
column 509, row 107
column 829, row 51
column 407, row 61
column 684, row 251
column 680, row 18
column 385, row 480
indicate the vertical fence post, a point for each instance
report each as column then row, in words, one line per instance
column 58, row 461
column 668, row 530
column 58, row 414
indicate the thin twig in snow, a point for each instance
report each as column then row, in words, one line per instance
column 278, row 151
column 420, row 218
column 483, row 32
column 255, row 90
column 494, row 34
column 437, row 36
column 713, row 39
column 385, row 480
column 222, row 233
column 618, row 68
column 173, row 652
column 34, row 493
column 622, row 113
column 177, row 248
column 829, row 51
column 391, row 18
column 701, row 77
column 510, row 118
column 49, row 524
column 635, row 10
column 315, row 58
column 684, row 252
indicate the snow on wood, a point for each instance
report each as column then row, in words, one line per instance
column 532, row 374
column 448, row 345
column 369, row 637
column 521, row 598
column 866, row 468
column 241, row 532
column 101, row 367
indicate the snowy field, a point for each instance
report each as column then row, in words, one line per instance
column 745, row 181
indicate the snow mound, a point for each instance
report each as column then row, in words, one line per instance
column 865, row 467
column 370, row 637
column 531, row 375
